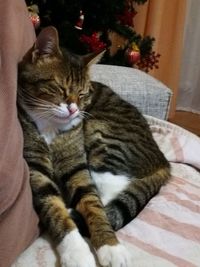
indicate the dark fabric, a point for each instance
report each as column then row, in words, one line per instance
column 18, row 221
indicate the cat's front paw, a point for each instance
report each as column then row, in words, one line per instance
column 78, row 259
column 114, row 256
column 75, row 252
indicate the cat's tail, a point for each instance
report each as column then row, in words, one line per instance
column 132, row 200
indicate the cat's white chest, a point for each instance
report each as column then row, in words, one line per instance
column 109, row 185
column 47, row 130
column 49, row 135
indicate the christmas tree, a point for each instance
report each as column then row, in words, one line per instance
column 90, row 26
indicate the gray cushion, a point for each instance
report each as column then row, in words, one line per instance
column 140, row 89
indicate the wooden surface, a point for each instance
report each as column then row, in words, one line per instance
column 187, row 120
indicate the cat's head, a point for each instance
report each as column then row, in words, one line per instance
column 54, row 84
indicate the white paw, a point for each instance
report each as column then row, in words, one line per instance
column 75, row 252
column 114, row 256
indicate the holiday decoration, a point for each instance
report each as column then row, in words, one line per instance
column 126, row 18
column 133, row 54
column 33, row 15
column 117, row 42
column 79, row 23
column 91, row 26
column 93, row 42
column 149, row 62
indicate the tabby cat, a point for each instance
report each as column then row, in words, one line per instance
column 91, row 155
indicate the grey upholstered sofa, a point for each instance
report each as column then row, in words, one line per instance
column 142, row 90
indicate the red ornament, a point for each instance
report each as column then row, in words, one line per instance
column 132, row 54
column 79, row 23
column 127, row 17
column 93, row 42
column 33, row 15
column 35, row 20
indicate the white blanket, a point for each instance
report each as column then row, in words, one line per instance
column 167, row 232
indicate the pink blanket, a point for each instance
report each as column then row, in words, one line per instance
column 167, row 232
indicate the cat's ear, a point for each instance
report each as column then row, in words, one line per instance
column 92, row 58
column 46, row 44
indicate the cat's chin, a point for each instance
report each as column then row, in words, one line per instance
column 64, row 120
column 57, row 122
column 69, row 124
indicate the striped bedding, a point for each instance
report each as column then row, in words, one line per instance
column 167, row 232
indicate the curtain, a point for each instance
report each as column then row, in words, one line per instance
column 189, row 89
column 164, row 20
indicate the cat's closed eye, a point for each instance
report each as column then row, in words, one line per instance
column 84, row 95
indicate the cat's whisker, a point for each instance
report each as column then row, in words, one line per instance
column 29, row 99
column 88, row 114
column 85, row 115
column 44, row 114
column 38, row 102
column 44, row 108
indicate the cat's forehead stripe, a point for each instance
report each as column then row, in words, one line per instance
column 62, row 82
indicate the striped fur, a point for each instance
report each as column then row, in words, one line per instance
column 122, row 144
column 107, row 135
